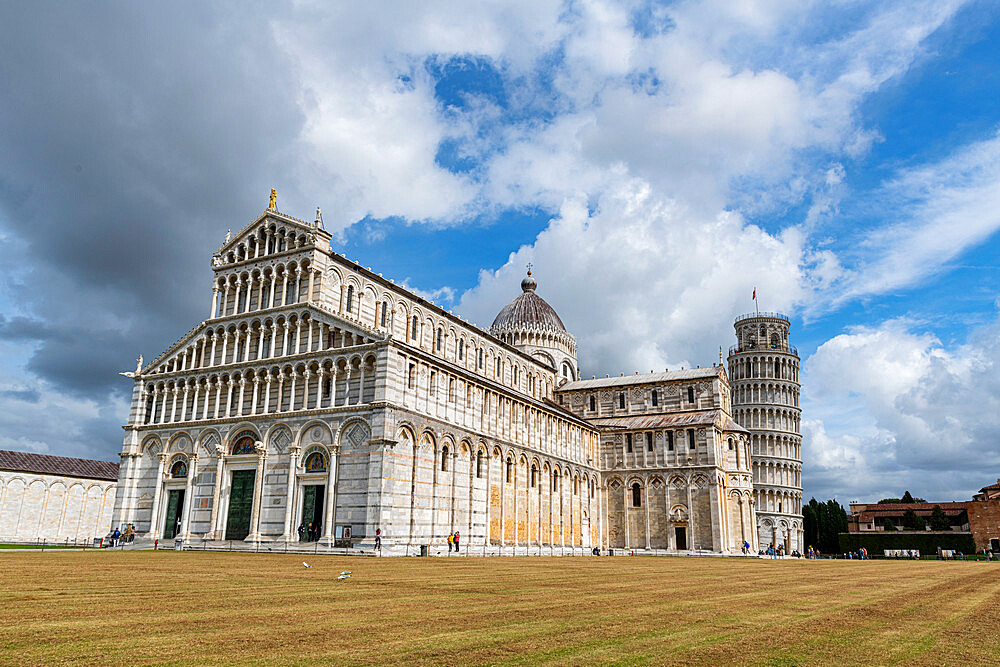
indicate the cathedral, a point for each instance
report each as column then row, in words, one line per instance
column 320, row 402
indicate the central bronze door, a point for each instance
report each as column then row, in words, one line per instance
column 312, row 508
column 240, row 504
column 175, row 507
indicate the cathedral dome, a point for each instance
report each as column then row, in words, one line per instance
column 527, row 311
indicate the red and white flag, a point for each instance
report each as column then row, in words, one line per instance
column 754, row 297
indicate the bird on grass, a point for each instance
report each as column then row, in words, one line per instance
column 305, row 564
column 346, row 574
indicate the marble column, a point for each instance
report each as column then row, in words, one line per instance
column 154, row 519
column 293, row 451
column 329, row 517
column 258, row 495
column 188, row 499
column 213, row 525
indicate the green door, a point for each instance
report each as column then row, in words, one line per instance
column 175, row 507
column 240, row 504
column 312, row 510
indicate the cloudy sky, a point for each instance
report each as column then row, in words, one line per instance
column 655, row 161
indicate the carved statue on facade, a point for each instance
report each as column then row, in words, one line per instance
column 273, row 205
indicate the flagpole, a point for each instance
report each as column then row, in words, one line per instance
column 756, row 307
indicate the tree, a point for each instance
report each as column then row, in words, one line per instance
column 889, row 501
column 907, row 498
column 822, row 522
column 913, row 522
column 938, row 519
column 888, row 524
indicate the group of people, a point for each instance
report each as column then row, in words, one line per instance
column 308, row 532
column 860, row 554
column 123, row 535
column 813, row 553
column 453, row 542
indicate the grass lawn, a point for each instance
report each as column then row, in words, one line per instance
column 39, row 546
column 210, row 608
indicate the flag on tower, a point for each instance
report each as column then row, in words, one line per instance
column 754, row 297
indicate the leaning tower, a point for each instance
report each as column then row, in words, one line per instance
column 764, row 373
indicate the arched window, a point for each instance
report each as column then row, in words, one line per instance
column 690, row 394
column 179, row 468
column 444, row 459
column 514, row 370
column 690, row 438
column 621, row 400
column 555, row 481
column 628, row 443
column 565, row 370
column 350, row 298
column 656, row 399
column 413, row 328
column 385, row 314
column 461, row 349
column 479, row 465
column 498, row 370
column 315, row 462
column 440, row 339
column 510, row 470
column 731, row 444
column 593, row 403
column 244, row 443
column 636, row 495
column 534, row 475
column 480, row 360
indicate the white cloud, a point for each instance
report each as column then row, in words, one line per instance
column 889, row 407
column 642, row 283
column 936, row 212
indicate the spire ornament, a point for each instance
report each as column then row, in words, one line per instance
column 273, row 205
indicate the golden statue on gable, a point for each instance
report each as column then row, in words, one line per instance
column 273, row 206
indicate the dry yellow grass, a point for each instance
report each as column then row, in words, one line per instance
column 215, row 608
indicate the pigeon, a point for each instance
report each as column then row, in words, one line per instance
column 347, row 572
column 305, row 564
column 344, row 575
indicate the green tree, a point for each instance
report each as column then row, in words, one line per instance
column 913, row 522
column 822, row 522
column 938, row 519
column 888, row 523
column 907, row 498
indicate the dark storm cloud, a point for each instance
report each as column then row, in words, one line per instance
column 131, row 137
column 21, row 328
column 24, row 395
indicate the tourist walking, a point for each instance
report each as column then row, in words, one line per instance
column 456, row 541
column 451, row 541
column 302, row 532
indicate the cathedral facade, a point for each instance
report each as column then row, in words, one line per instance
column 320, row 402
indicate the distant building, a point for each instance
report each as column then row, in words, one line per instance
column 54, row 498
column 979, row 516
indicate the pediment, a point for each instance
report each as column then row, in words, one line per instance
column 241, row 246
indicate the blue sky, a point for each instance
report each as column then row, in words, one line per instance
column 655, row 161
